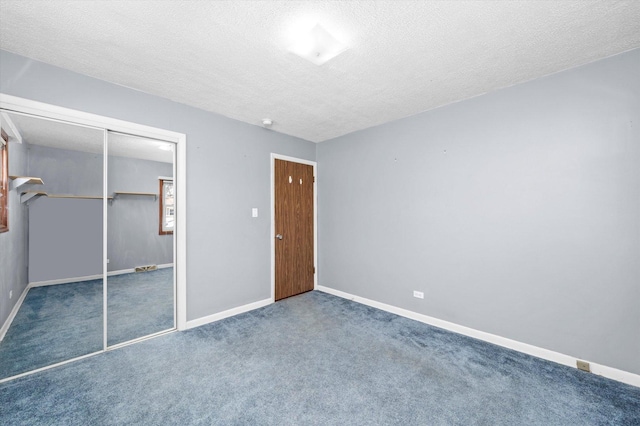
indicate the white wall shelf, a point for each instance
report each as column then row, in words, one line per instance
column 83, row 197
column 32, row 195
column 18, row 181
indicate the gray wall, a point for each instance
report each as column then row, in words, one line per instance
column 133, row 238
column 66, row 172
column 65, row 235
column 133, row 234
column 13, row 244
column 65, row 238
column 228, row 173
column 528, row 226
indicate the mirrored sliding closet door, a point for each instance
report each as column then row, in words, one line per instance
column 140, row 277
column 53, row 249
column 87, row 252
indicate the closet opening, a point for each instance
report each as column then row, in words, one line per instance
column 88, row 269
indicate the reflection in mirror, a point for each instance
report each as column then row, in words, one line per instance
column 140, row 282
column 4, row 180
column 51, row 258
column 167, row 213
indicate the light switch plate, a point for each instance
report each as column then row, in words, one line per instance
column 254, row 212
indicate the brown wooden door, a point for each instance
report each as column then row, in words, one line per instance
column 293, row 228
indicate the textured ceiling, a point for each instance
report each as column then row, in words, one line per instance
column 404, row 57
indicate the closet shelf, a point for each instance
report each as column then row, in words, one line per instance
column 18, row 181
column 117, row 194
column 29, row 195
column 84, row 197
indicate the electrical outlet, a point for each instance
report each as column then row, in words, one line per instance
column 10, row 294
column 418, row 294
column 584, row 366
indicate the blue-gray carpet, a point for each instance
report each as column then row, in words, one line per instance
column 59, row 322
column 139, row 304
column 316, row 359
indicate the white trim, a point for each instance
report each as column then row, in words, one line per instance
column 12, row 129
column 13, row 313
column 228, row 313
column 294, row 160
column 105, row 235
column 28, row 106
column 177, row 322
column 140, row 339
column 180, row 231
column 90, row 277
column 48, row 111
column 48, row 367
column 121, row 272
column 273, row 218
column 602, row 370
column 65, row 280
column 110, row 348
column 614, row 374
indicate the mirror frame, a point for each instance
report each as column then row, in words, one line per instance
column 162, row 207
column 4, row 182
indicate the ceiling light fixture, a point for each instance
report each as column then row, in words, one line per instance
column 318, row 46
column 267, row 122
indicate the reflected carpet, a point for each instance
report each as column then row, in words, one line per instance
column 63, row 321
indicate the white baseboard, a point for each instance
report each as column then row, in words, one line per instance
column 601, row 370
column 90, row 277
column 64, row 280
column 120, row 272
column 228, row 313
column 12, row 315
column 613, row 373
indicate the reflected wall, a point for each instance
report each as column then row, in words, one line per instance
column 59, row 190
column 140, row 283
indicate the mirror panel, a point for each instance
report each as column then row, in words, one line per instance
column 55, row 243
column 140, row 281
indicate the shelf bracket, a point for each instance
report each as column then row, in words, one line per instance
column 18, row 181
column 31, row 195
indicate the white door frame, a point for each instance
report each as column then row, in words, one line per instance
column 28, row 106
column 275, row 157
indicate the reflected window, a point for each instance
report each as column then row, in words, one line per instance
column 4, row 182
column 167, row 207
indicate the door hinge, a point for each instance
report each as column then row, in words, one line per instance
column 314, row 269
column 314, row 178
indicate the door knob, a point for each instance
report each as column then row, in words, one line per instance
column 279, row 236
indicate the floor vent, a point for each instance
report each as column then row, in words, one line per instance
column 146, row 268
